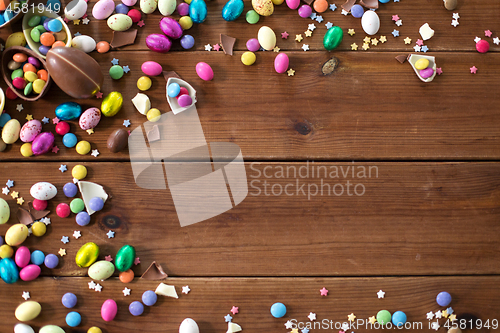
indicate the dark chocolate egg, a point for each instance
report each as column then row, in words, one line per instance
column 74, row 71
column 118, row 140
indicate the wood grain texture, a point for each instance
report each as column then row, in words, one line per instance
column 370, row 108
column 413, row 219
column 211, row 299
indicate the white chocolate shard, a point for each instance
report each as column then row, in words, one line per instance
column 142, row 103
column 166, row 290
column 233, row 327
column 426, row 32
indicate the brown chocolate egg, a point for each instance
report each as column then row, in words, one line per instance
column 74, row 71
column 117, row 140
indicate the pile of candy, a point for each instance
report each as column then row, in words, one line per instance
column 46, row 32
column 27, row 74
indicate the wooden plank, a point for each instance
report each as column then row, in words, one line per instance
column 211, row 299
column 413, row 219
column 372, row 107
column 476, row 17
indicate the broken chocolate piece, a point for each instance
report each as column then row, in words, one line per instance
column 37, row 214
column 309, row 2
column 24, row 216
column 372, row 4
column 227, row 43
column 348, row 5
column 154, row 134
column 401, row 58
column 168, row 74
column 154, row 272
column 122, row 38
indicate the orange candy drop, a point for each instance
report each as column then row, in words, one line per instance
column 320, row 6
column 126, row 276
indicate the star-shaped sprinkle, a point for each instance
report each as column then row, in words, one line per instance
column 456, row 16
column 452, row 317
column 487, row 33
column 45, row 120
column 374, row 41
column 208, row 47
column 312, row 316
column 351, row 32
column 110, row 234
column 5, row 190
column 115, row 61
column 10, row 183
column 75, row 181
column 365, row 46
column 19, row 107
column 85, row 21
column 26, row 295
column 311, row 27
column 435, row 325
column 46, row 220
column 333, row 7
column 430, row 315
column 354, row 47
column 477, row 39
column 366, row 40
column 77, row 234
column 77, row 34
column 305, row 330
column 407, row 40
column 108, row 258
column 66, row 20
column 319, row 18
column 216, row 47
column 323, row 292
column 294, row 330
column 439, row 71
column 308, row 33
column 419, row 42
column 95, row 153
column 62, row 252
column 395, row 33
column 372, row 320
column 285, row 35
column 76, row 22
column 90, row 131
column 228, row 318
column 473, row 70
column 137, row 261
column 382, row 39
column 305, row 47
column 20, row 201
column 126, row 291
column 29, row 117
column 328, row 25
column 381, row 294
column 65, row 239
column 55, row 149
column 351, row 317
column 496, row 40
column 14, row 195
column 126, row 69
column 439, row 314
column 276, row 49
column 98, row 287
column 399, row 23
column 186, row 290
column 55, row 121
column 417, row 48
column 395, row 18
column 299, row 38
column 288, row 325
column 313, row 16
column 291, row 72
column 126, row 123
column 141, row 23
column 98, row 94
column 450, row 310
column 424, row 48
column 30, row 231
column 454, row 23
column 344, row 12
column 91, row 285
column 63, row 168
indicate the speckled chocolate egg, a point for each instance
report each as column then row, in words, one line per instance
column 5, row 210
column 148, row 6
column 90, row 118
column 103, row 9
column 43, row 191
column 75, row 9
column 30, row 130
column 10, row 131
column 119, row 22
column 263, row 7
column 267, row 38
column 167, row 7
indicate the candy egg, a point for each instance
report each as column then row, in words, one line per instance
column 129, row 3
column 188, row 325
column 148, row 6
column 90, row 118
column 23, row 257
column 39, row 229
column 117, row 140
column 252, row 17
column 85, row 43
column 266, row 38
column 421, row 63
column 426, row 73
column 171, row 27
column 30, row 272
column 232, row 10
column 167, row 7
column 119, row 22
column 23, row 328
column 125, row 258
column 43, row 143
column 158, row 43
column 103, row 9
column 281, row 63
column 16, row 39
column 26, row 150
column 28, row 310
column 16, row 234
column 263, row 7
column 198, row 11
column 4, row 211
column 151, row 68
column 109, row 310
column 204, row 71
column 102, row 47
column 6, row 251
column 370, row 22
column 111, row 104
column 2, row 145
column 10, row 131
column 305, row 11
column 37, row 257
column 293, row 4
column 153, row 115
column 68, row 111
column 101, row 270
column 51, row 329
column 30, row 130
column 450, row 4
column 136, row 308
column 8, row 270
column 75, row 9
column 333, row 38
column 87, row 254
column 43, row 191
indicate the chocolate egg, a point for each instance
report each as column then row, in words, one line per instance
column 333, row 38
column 111, row 104
column 42, row 143
column 158, row 43
column 68, row 111
column 75, row 9
column 90, row 118
column 74, row 71
column 117, row 140
column 198, row 11
column 30, row 130
column 171, row 27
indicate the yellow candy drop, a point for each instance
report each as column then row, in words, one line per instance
column 6, row 251
column 94, row 329
column 83, row 147
column 26, row 150
column 248, row 58
column 30, row 76
column 39, row 229
column 278, row 2
column 38, row 85
column 79, row 171
column 153, row 115
column 144, row 83
column 186, row 22
column 421, row 64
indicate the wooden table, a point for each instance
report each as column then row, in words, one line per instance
column 426, row 222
